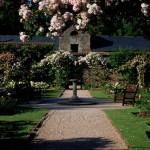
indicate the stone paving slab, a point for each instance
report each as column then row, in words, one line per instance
column 80, row 94
column 78, row 127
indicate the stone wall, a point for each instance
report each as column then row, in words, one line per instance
column 75, row 41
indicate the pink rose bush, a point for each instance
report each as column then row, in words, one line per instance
column 58, row 15
column 25, row 12
column 62, row 13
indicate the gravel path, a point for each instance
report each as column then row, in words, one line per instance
column 77, row 129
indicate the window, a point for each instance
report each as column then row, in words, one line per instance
column 73, row 33
column 74, row 47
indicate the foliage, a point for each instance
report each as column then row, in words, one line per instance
column 17, row 126
column 67, row 66
column 17, row 64
column 129, row 75
column 41, row 84
column 9, row 18
column 128, row 27
column 95, row 70
column 94, row 76
column 140, row 62
column 24, row 57
column 124, row 17
column 144, row 105
column 133, row 66
column 42, row 73
column 144, row 100
column 118, row 58
column 60, row 63
column 61, row 78
column 132, row 128
column 7, row 105
column 144, row 93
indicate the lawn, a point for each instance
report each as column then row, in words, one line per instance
column 100, row 93
column 16, row 124
column 15, row 127
column 49, row 93
column 131, row 127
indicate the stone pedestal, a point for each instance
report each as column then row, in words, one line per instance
column 74, row 96
column 74, row 100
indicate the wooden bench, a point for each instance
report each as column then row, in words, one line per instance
column 127, row 94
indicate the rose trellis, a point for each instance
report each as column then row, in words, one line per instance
column 72, row 65
column 140, row 62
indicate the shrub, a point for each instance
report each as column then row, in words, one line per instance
column 7, row 105
column 144, row 105
column 118, row 58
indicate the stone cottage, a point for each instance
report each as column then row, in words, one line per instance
column 75, row 41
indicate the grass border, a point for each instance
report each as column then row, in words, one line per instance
column 135, row 143
column 35, row 130
column 117, row 130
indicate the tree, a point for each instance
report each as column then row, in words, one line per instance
column 9, row 18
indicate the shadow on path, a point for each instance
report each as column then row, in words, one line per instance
column 71, row 144
column 11, row 138
column 52, row 103
column 55, row 100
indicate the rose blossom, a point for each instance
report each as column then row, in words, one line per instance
column 41, row 29
column 145, row 8
column 76, row 7
column 35, row 1
column 93, row 9
column 24, row 38
column 25, row 12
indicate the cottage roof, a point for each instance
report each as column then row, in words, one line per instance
column 98, row 43
column 35, row 39
column 111, row 43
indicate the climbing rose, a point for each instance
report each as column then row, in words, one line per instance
column 61, row 12
column 23, row 37
column 145, row 9
column 25, row 12
column 35, row 1
column 58, row 15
